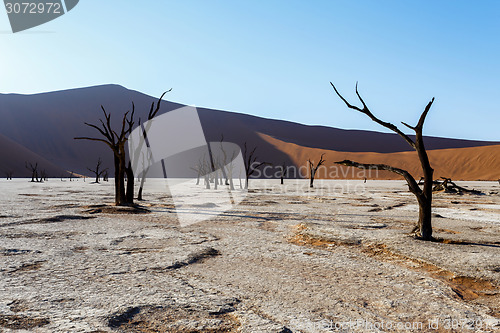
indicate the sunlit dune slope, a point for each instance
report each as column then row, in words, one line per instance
column 475, row 163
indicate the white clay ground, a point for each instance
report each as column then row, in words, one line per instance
column 337, row 258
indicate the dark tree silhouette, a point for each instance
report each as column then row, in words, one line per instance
column 251, row 164
column 424, row 196
column 449, row 186
column 34, row 172
column 313, row 169
column 283, row 172
column 129, row 194
column 116, row 142
column 98, row 171
column 9, row 174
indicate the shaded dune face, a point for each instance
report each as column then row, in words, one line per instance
column 15, row 156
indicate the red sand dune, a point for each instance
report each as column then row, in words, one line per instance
column 475, row 163
column 41, row 128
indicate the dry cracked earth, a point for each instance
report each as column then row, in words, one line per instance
column 338, row 258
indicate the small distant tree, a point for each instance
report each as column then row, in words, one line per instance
column 105, row 177
column 9, row 174
column 198, row 171
column 97, row 171
column 116, row 141
column 283, row 172
column 212, row 170
column 43, row 175
column 251, row 164
column 222, row 163
column 203, row 169
column 424, row 196
column 314, row 168
column 227, row 164
column 34, row 172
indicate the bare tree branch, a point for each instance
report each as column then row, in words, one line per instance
column 93, row 139
column 152, row 113
column 421, row 121
column 424, row 196
column 367, row 111
column 116, row 141
column 414, row 188
column 314, row 169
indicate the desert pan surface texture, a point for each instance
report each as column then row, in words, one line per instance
column 287, row 258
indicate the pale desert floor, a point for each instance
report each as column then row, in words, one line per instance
column 334, row 259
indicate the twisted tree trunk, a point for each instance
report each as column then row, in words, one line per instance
column 119, row 181
column 116, row 142
column 424, row 195
column 129, row 194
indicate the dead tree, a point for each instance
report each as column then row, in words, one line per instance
column 116, row 142
column 34, row 172
column 43, row 175
column 105, row 177
column 223, row 161
column 9, row 174
column 423, row 195
column 226, row 164
column 212, row 170
column 198, row 170
column 251, row 164
column 448, row 186
column 153, row 111
column 313, row 169
column 283, row 172
column 205, row 169
column 129, row 194
column 142, row 179
column 98, row 171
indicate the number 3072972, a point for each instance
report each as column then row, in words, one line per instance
column 33, row 8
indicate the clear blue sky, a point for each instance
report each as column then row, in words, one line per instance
column 275, row 58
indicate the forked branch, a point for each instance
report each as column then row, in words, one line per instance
column 367, row 111
column 153, row 111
